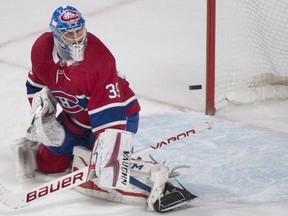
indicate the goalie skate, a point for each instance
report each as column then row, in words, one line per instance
column 173, row 198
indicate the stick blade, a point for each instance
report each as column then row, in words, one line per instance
column 11, row 200
column 4, row 194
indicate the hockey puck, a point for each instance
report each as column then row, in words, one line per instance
column 195, row 87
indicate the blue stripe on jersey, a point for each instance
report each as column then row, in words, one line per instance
column 31, row 89
column 114, row 114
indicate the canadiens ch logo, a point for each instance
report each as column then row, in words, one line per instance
column 69, row 15
column 68, row 102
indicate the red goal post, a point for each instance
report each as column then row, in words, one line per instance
column 247, row 52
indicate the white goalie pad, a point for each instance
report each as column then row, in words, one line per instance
column 25, row 152
column 44, row 127
column 111, row 156
column 146, row 181
column 131, row 194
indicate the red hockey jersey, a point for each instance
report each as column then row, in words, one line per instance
column 92, row 94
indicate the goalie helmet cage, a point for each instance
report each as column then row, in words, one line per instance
column 247, row 52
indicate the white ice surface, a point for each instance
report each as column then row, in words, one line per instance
column 239, row 168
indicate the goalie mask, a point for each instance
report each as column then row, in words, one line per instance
column 70, row 36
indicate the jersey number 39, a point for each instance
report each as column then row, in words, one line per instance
column 113, row 90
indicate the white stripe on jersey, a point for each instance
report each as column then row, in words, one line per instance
column 108, row 125
column 112, row 105
column 79, row 123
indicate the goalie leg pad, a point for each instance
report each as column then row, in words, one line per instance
column 147, row 185
column 131, row 194
column 25, row 152
column 112, row 152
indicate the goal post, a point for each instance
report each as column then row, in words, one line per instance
column 210, row 58
column 246, row 52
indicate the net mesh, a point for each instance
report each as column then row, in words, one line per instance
column 251, row 45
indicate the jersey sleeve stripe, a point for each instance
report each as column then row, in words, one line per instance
column 111, row 124
column 80, row 124
column 34, row 84
column 108, row 106
column 110, row 115
column 131, row 101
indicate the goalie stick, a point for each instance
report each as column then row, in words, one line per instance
column 73, row 179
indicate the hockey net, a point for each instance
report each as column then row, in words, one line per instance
column 251, row 51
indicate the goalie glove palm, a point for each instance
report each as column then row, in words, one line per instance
column 44, row 127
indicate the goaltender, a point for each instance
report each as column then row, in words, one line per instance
column 98, row 119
